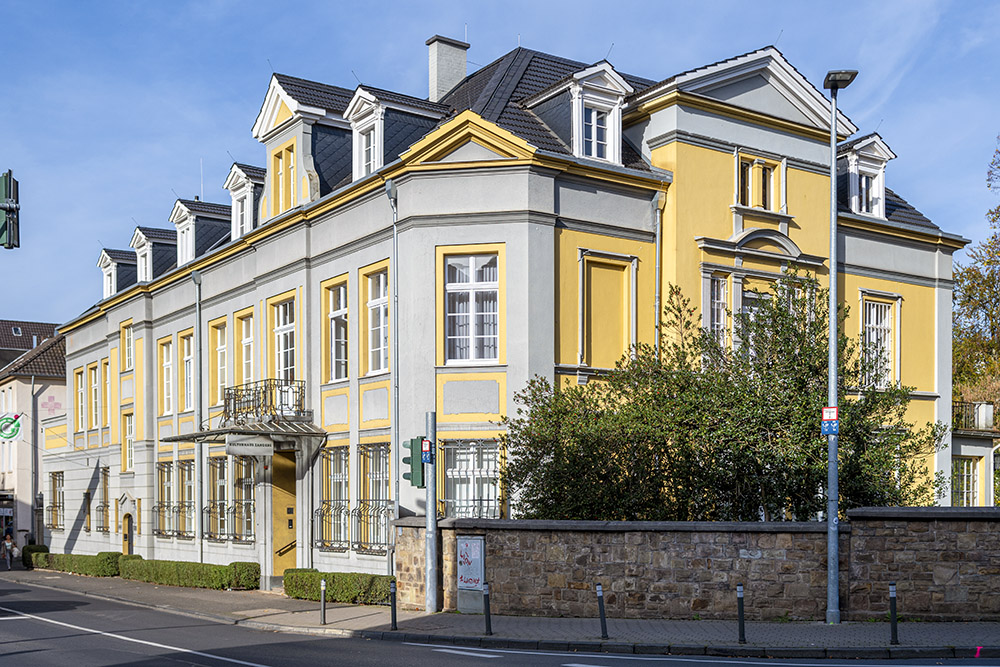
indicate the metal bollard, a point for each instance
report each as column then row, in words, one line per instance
column 392, row 603
column 486, row 608
column 322, row 601
column 600, row 609
column 739, row 612
column 893, row 632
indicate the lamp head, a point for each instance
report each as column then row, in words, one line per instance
column 839, row 78
column 196, row 277
column 390, row 190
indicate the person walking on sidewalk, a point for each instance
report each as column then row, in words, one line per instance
column 7, row 549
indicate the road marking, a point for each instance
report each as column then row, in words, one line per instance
column 457, row 652
column 133, row 640
column 581, row 664
column 11, row 618
column 820, row 662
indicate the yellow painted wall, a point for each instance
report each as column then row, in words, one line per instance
column 55, row 437
column 465, row 417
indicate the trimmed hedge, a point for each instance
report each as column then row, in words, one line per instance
column 29, row 549
column 127, row 557
column 346, row 587
column 104, row 564
column 191, row 575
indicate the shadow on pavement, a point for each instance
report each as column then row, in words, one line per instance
column 43, row 606
column 14, row 591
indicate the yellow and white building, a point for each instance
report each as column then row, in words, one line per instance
column 528, row 200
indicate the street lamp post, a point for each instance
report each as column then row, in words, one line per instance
column 834, row 81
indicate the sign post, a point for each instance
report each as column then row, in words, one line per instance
column 430, row 528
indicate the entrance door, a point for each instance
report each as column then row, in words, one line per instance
column 127, row 537
column 283, row 511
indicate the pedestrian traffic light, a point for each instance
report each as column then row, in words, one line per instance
column 416, row 473
column 10, row 236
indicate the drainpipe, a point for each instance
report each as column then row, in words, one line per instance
column 658, row 203
column 198, row 463
column 390, row 191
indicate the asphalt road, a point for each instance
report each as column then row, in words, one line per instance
column 44, row 627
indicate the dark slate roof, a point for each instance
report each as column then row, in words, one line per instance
column 897, row 209
column 8, row 341
column 197, row 206
column 157, row 235
column 407, row 100
column 311, row 93
column 257, row 173
column 669, row 79
column 120, row 256
column 496, row 91
column 847, row 145
column 48, row 360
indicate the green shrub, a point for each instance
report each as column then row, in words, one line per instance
column 347, row 587
column 177, row 573
column 245, row 575
column 127, row 557
column 29, row 549
column 104, row 564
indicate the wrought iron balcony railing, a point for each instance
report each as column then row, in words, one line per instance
column 967, row 416
column 266, row 400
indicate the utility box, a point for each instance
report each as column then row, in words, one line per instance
column 470, row 563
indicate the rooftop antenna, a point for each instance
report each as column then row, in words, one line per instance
column 135, row 221
column 356, row 78
column 231, row 156
column 175, row 193
column 878, row 126
column 609, row 50
column 518, row 40
column 270, row 65
column 201, row 165
column 779, row 37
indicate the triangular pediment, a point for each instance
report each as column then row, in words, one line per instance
column 362, row 104
column 450, row 143
column 872, row 146
column 279, row 108
column 762, row 81
column 604, row 77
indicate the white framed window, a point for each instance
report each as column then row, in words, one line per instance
column 127, row 348
column 95, row 395
column 367, row 151
column 472, row 316
column 81, row 402
column 242, row 226
column 471, row 479
column 338, row 332
column 166, row 362
column 106, row 370
column 595, row 132
column 187, row 350
column 279, row 164
column 109, row 282
column 964, row 481
column 128, row 441
column 290, row 159
column 877, row 338
column 246, row 348
column 865, row 193
column 221, row 363
column 378, row 321
column 284, row 340
column 143, row 267
column 719, row 305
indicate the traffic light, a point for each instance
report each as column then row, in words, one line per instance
column 416, row 472
column 10, row 236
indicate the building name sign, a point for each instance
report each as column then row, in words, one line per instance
column 249, row 445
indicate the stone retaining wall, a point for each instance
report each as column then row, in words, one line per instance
column 945, row 562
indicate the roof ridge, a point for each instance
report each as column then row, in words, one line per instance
column 311, row 81
column 28, row 356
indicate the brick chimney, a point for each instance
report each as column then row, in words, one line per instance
column 447, row 60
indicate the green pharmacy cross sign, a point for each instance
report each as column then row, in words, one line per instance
column 10, row 427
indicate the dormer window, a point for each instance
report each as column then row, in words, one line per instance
column 367, row 151
column 185, row 242
column 245, row 184
column 595, row 133
column 366, row 114
column 862, row 164
column 109, row 281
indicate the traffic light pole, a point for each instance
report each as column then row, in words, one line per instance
column 430, row 533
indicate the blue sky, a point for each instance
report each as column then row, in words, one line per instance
column 108, row 109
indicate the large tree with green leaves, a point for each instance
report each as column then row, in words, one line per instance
column 718, row 429
column 976, row 331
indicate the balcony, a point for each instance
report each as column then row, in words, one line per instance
column 972, row 416
column 266, row 401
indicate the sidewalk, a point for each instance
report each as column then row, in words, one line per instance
column 274, row 612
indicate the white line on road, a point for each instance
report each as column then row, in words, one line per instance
column 133, row 640
column 825, row 662
column 581, row 664
column 472, row 653
column 11, row 618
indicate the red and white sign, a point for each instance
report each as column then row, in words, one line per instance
column 829, row 414
column 425, row 445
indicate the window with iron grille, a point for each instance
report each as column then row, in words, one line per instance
column 163, row 510
column 103, row 505
column 184, row 509
column 877, row 339
column 332, row 522
column 471, row 479
column 964, row 482
column 371, row 516
column 215, row 510
column 241, row 511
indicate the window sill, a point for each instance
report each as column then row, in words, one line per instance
column 127, row 473
column 375, row 374
column 473, row 363
column 336, row 384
